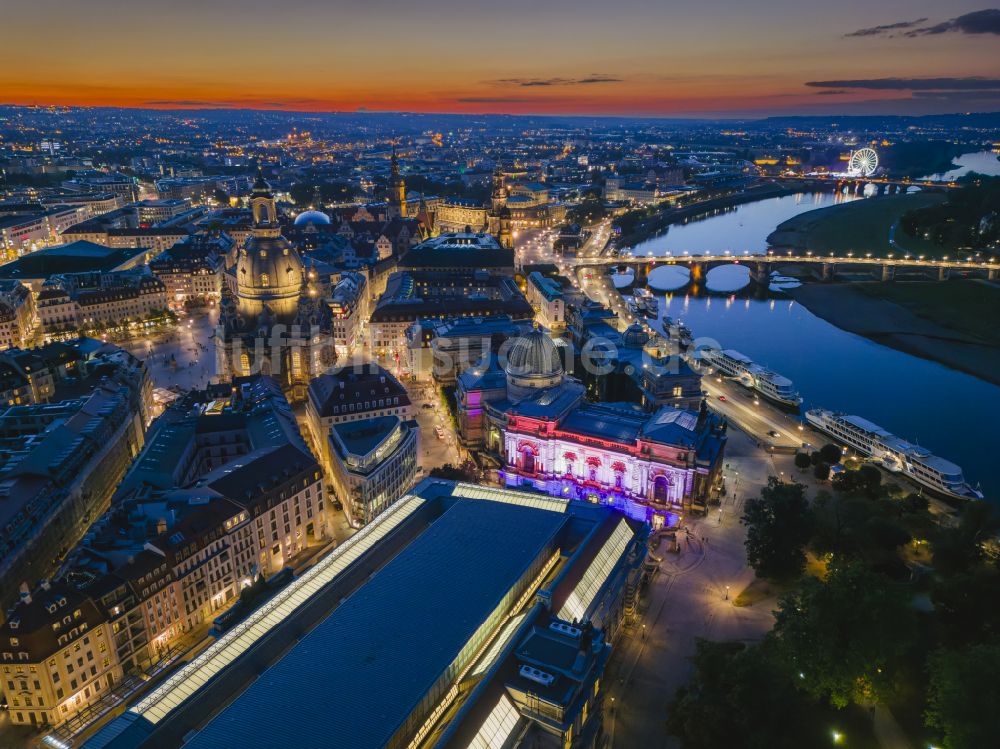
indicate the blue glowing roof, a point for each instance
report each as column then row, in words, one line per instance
column 616, row 423
column 354, row 680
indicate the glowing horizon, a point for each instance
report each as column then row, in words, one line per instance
column 627, row 59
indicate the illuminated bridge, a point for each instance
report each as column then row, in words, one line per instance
column 842, row 183
column 824, row 266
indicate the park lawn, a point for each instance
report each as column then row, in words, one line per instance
column 965, row 305
column 863, row 226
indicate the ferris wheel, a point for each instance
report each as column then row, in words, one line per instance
column 863, row 162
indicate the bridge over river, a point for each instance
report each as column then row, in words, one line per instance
column 824, row 267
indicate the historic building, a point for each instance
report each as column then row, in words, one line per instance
column 456, row 214
column 90, row 301
column 225, row 491
column 192, row 270
column 534, row 420
column 17, row 314
column 273, row 320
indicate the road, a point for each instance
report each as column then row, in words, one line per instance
column 757, row 416
column 430, row 411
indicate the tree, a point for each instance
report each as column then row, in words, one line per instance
column 965, row 609
column 885, row 533
column 914, row 503
column 589, row 211
column 831, row 453
column 464, row 472
column 302, row 193
column 959, row 548
column 779, row 526
column 821, row 471
column 846, row 635
column 742, row 696
column 802, row 461
column 869, row 480
column 963, row 696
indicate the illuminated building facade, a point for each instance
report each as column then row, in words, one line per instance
column 545, row 436
column 373, row 462
column 225, row 491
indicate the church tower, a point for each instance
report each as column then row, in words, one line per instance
column 505, row 234
column 265, row 211
column 397, row 190
column 499, row 194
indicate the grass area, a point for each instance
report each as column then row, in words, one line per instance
column 861, row 226
column 864, row 226
column 965, row 305
column 759, row 590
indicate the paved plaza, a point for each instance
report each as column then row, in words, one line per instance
column 690, row 597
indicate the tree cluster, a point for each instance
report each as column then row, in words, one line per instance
column 857, row 635
column 969, row 218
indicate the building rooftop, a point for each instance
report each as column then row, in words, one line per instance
column 375, row 658
column 617, row 422
column 361, row 437
column 438, row 590
column 452, row 251
column 76, row 257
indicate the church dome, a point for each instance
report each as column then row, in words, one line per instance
column 312, row 218
column 269, row 272
column 635, row 336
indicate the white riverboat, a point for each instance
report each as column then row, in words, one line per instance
column 895, row 454
column 646, row 302
column 771, row 385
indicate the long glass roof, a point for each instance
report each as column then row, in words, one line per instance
column 241, row 638
column 583, row 595
column 498, row 727
column 521, row 498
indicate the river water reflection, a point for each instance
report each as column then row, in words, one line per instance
column 944, row 410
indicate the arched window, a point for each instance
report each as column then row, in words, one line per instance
column 660, row 489
column 264, row 280
column 527, row 460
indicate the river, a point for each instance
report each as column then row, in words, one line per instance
column 981, row 162
column 740, row 229
column 923, row 401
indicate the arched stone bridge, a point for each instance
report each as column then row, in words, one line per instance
column 824, row 266
column 857, row 185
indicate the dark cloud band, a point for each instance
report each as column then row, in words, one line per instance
column 985, row 21
column 912, row 84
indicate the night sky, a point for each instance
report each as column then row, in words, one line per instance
column 641, row 57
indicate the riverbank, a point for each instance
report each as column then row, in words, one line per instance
column 660, row 219
column 860, row 226
column 944, row 322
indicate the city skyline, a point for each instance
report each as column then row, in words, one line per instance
column 628, row 59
